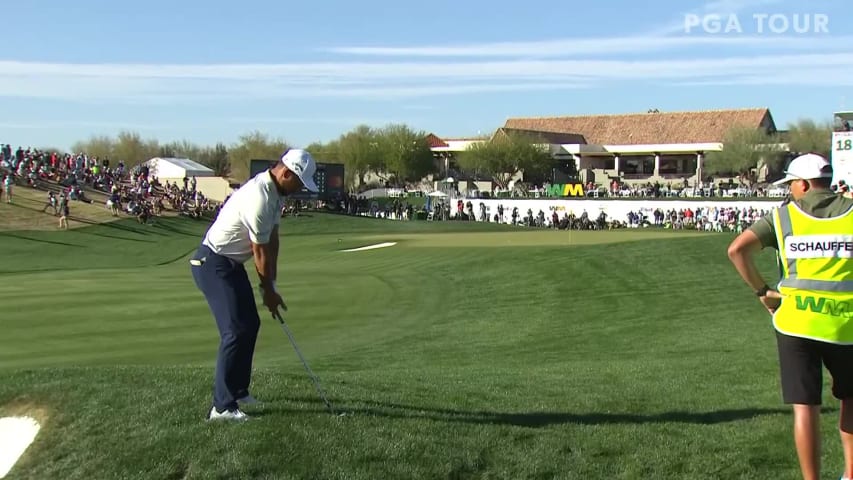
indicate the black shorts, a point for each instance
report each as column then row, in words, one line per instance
column 800, row 364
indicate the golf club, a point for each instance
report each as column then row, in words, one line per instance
column 314, row 378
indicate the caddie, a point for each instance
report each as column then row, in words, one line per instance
column 812, row 305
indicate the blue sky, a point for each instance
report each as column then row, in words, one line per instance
column 306, row 71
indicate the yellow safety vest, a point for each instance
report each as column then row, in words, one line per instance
column 816, row 260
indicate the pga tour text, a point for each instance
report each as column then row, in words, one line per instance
column 758, row 23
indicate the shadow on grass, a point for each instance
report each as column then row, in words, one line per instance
column 172, row 225
column 178, row 258
column 118, row 237
column 40, row 240
column 123, row 224
column 534, row 419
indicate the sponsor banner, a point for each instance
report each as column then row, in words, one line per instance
column 615, row 209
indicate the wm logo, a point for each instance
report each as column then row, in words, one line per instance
column 826, row 306
column 565, row 190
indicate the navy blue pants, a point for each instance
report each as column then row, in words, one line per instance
column 230, row 296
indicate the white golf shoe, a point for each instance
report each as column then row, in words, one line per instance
column 233, row 415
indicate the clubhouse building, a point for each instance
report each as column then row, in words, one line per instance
column 633, row 148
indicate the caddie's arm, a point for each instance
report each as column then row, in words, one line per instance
column 741, row 252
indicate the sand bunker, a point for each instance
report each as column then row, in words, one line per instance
column 371, row 247
column 16, row 434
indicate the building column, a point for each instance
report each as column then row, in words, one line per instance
column 657, row 164
column 699, row 157
column 616, row 164
column 577, row 159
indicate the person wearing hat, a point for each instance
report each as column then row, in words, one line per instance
column 812, row 304
column 246, row 227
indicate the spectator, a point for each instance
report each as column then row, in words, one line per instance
column 64, row 212
column 7, row 184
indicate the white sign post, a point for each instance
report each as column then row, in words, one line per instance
column 842, row 157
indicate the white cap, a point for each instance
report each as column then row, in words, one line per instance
column 302, row 164
column 806, row 167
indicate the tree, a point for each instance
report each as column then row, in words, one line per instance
column 506, row 155
column 254, row 146
column 131, row 149
column 182, row 149
column 100, row 146
column 405, row 153
column 324, row 152
column 358, row 149
column 806, row 136
column 167, row 151
column 743, row 149
column 49, row 150
column 216, row 158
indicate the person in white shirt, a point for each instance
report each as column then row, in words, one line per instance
column 9, row 183
column 246, row 227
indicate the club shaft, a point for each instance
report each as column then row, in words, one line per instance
column 304, row 363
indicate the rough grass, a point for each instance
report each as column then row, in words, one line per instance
column 535, row 360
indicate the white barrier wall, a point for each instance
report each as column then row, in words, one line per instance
column 615, row 209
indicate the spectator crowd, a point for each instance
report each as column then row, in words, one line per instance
column 719, row 218
column 67, row 177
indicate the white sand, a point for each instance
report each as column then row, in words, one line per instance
column 371, row 247
column 16, row 434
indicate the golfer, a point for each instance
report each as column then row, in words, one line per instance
column 813, row 302
column 247, row 227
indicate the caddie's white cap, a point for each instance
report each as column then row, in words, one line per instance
column 806, row 167
column 302, row 164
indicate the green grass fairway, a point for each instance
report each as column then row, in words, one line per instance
column 582, row 355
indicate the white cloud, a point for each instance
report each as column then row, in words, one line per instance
column 568, row 47
column 191, row 83
column 810, row 78
column 80, row 81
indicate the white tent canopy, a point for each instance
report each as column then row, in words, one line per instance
column 177, row 168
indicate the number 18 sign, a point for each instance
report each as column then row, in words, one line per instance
column 842, row 157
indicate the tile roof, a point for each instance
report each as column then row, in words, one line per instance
column 708, row 126
column 434, row 141
column 549, row 137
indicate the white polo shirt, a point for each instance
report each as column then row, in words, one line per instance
column 247, row 217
